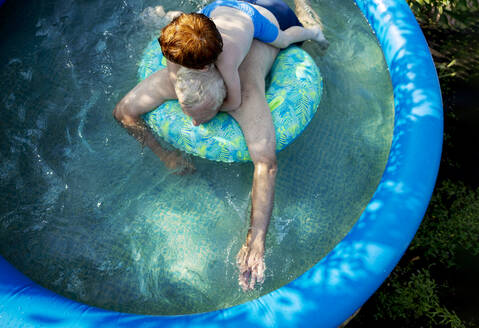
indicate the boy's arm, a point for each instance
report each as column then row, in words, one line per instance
column 233, row 89
column 227, row 64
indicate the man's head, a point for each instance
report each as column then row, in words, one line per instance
column 200, row 92
column 191, row 40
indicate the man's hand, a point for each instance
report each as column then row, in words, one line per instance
column 250, row 261
column 176, row 162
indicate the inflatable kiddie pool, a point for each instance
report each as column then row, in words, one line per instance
column 343, row 280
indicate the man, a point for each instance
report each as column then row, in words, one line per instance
column 163, row 85
column 254, row 118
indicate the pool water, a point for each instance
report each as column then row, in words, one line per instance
column 89, row 214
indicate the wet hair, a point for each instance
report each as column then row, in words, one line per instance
column 194, row 86
column 191, row 40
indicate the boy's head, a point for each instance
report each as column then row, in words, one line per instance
column 200, row 92
column 191, row 40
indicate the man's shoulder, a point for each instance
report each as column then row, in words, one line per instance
column 160, row 83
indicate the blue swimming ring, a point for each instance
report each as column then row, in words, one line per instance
column 293, row 92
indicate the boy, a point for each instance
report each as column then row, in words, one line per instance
column 222, row 32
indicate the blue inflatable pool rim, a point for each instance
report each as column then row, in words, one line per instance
column 293, row 92
column 344, row 279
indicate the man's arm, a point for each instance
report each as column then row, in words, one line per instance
column 254, row 118
column 147, row 95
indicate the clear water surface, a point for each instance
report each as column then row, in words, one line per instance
column 89, row 214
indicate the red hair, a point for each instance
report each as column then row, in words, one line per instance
column 191, row 40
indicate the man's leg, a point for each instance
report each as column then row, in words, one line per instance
column 254, row 117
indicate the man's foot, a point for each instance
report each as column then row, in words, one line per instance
column 319, row 37
column 250, row 261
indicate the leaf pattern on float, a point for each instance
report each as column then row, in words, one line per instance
column 294, row 88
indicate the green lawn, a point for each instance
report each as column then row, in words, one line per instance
column 436, row 282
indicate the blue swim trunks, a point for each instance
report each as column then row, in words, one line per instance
column 285, row 15
column 264, row 30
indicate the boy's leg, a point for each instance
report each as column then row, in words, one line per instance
column 284, row 15
column 292, row 22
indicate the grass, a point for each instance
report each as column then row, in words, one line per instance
column 435, row 283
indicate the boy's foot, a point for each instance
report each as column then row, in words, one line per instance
column 319, row 37
column 153, row 16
